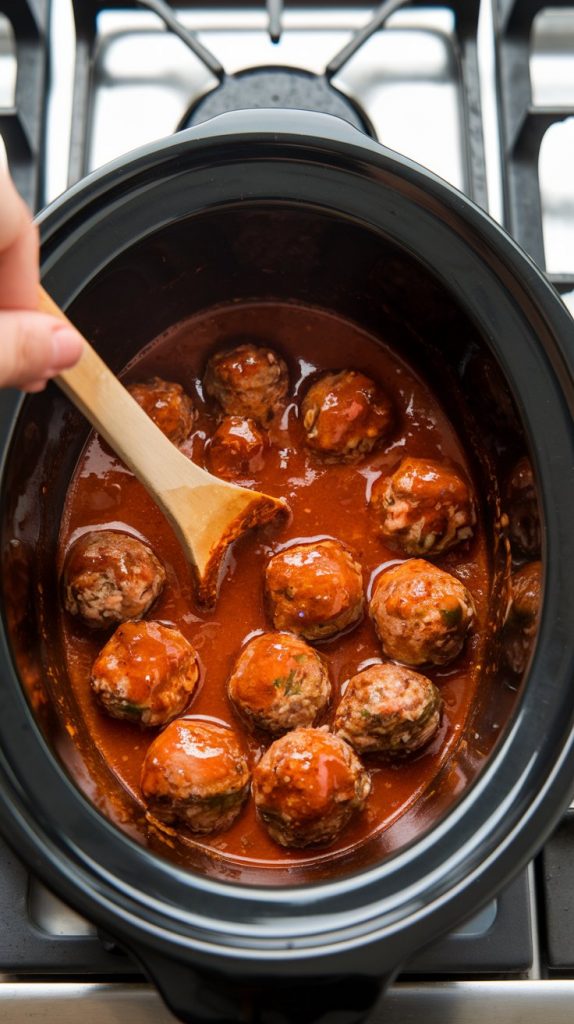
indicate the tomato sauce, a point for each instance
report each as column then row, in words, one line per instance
column 326, row 500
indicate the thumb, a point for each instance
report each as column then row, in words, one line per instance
column 35, row 347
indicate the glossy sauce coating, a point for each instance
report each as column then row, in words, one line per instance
column 307, row 786
column 236, row 448
column 146, row 673
column 278, row 683
column 195, row 774
column 314, row 590
column 424, row 508
column 327, row 501
column 345, row 415
column 110, row 577
column 167, row 405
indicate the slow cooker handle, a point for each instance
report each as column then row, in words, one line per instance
column 206, row 997
column 279, row 123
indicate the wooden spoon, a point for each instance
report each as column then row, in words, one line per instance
column 206, row 513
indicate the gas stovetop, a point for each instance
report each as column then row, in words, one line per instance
column 482, row 95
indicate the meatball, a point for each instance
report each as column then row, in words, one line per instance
column 345, row 415
column 306, row 787
column 145, row 673
column 110, row 577
column 522, row 621
column 195, row 775
column 525, row 586
column 421, row 614
column 248, row 381
column 522, row 508
column 388, row 709
column 425, row 507
column 236, row 448
column 315, row 589
column 167, row 405
column 279, row 683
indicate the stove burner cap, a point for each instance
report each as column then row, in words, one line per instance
column 276, row 87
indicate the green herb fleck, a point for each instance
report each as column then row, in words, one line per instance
column 289, row 684
column 452, row 617
column 131, row 710
column 223, row 801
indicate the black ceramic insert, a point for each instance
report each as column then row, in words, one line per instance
column 384, row 240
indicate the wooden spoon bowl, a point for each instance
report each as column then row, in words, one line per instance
column 206, row 513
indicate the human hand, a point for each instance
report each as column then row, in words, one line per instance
column 33, row 346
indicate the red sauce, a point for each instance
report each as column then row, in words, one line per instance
column 326, row 501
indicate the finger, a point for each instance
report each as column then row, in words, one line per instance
column 35, row 347
column 13, row 210
column 35, row 386
column 18, row 246
column 19, row 270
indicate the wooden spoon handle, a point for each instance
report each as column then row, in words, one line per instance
column 207, row 514
column 109, row 407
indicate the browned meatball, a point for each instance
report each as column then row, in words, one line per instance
column 236, row 448
column 315, row 589
column 248, row 381
column 306, row 787
column 145, row 673
column 388, row 709
column 110, row 577
column 279, row 683
column 526, row 585
column 522, row 508
column 195, row 774
column 425, row 507
column 345, row 415
column 167, row 405
column 421, row 614
column 522, row 621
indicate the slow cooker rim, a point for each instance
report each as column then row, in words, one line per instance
column 313, row 134
column 272, row 895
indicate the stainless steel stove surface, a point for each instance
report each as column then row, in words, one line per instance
column 120, row 79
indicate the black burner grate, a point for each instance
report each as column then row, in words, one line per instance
column 497, row 940
column 23, row 126
column 466, row 27
column 522, row 127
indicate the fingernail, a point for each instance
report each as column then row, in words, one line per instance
column 66, row 347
